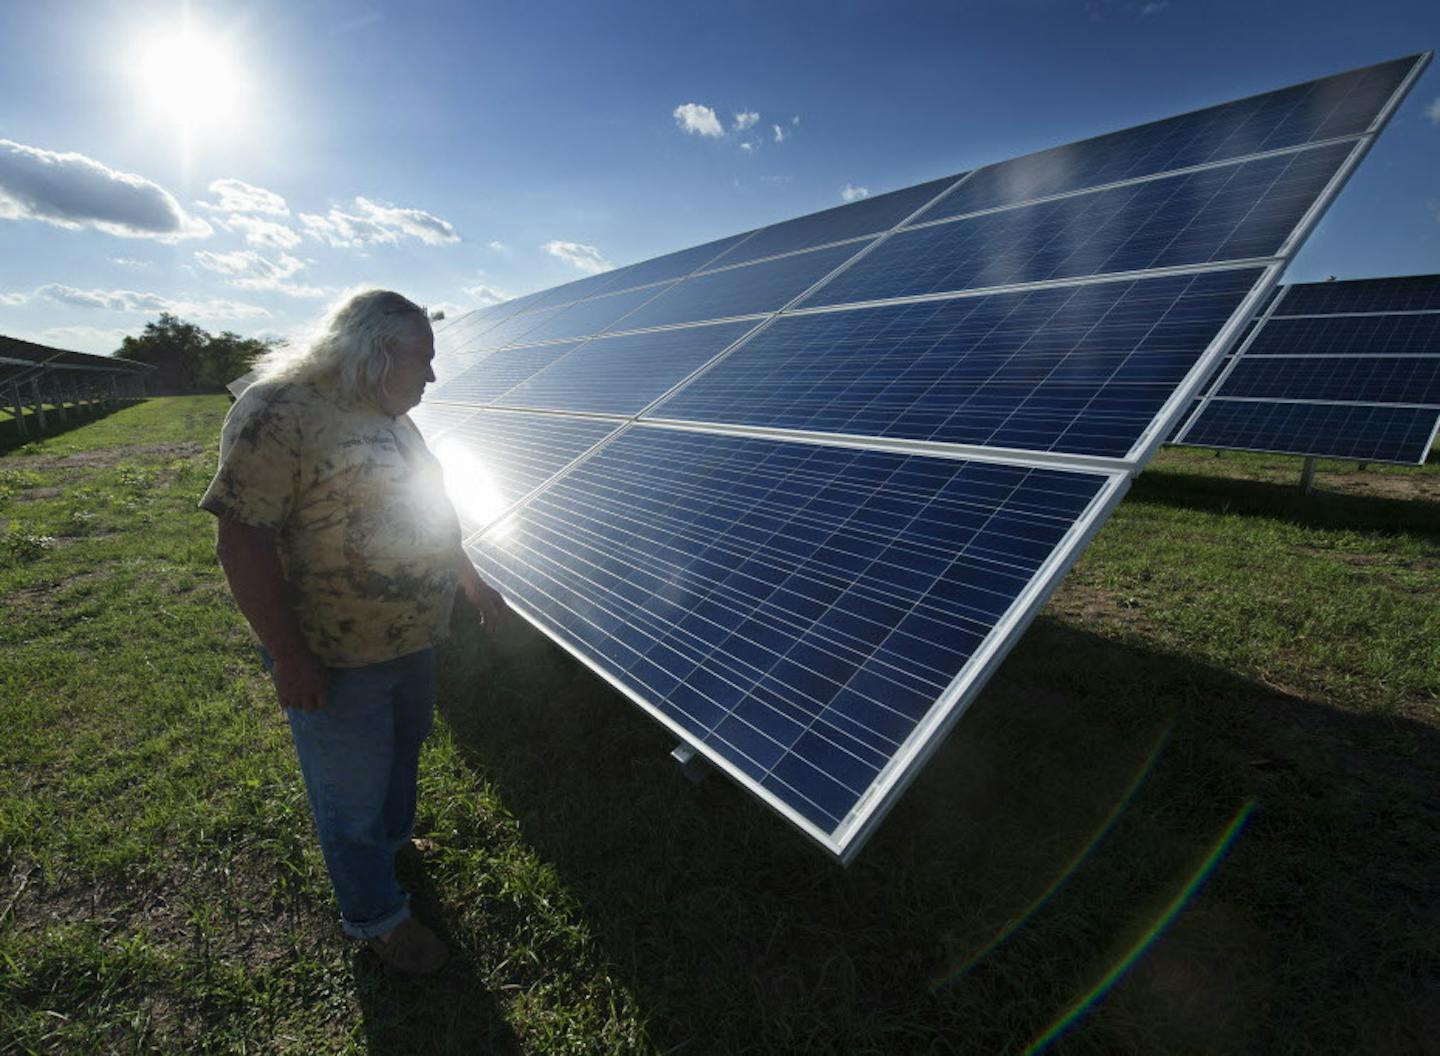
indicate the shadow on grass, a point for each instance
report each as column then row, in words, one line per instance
column 450, row 1012
column 1285, row 502
column 1319, row 932
column 11, row 438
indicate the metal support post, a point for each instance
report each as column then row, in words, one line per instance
column 1307, row 476
column 692, row 764
column 60, row 395
column 39, row 402
column 19, row 410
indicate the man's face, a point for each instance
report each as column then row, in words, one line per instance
column 410, row 356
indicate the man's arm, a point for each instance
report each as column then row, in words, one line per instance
column 252, row 568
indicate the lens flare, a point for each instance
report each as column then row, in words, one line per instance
column 472, row 488
column 1187, row 893
column 1081, row 856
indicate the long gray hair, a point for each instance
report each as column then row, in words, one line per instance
column 350, row 352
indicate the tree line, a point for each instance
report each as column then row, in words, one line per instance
column 189, row 359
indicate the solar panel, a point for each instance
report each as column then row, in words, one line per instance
column 623, row 374
column 1348, row 335
column 1365, row 433
column 594, row 316
column 1341, row 105
column 870, row 216
column 1400, row 293
column 752, row 289
column 796, row 607
column 1335, row 369
column 809, row 555
column 1351, row 379
column 1240, row 210
column 485, row 377
column 1081, row 369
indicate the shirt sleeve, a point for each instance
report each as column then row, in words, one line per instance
column 260, row 450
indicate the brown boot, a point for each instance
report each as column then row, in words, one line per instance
column 410, row 947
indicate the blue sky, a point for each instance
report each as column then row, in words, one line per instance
column 460, row 152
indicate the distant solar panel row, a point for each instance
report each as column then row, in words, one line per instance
column 801, row 528
column 1339, row 370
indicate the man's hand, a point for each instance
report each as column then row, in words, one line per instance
column 300, row 681
column 483, row 599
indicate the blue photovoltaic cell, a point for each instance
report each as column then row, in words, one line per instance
column 866, row 217
column 749, row 290
column 1349, row 335
column 494, row 458
column 1234, row 212
column 1082, row 369
column 1358, row 379
column 1342, row 105
column 593, row 316
column 797, row 608
column 1402, row 293
column 493, row 375
column 624, row 374
column 1334, row 430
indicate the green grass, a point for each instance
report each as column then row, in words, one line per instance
column 162, row 891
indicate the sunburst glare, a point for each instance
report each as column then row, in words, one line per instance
column 191, row 77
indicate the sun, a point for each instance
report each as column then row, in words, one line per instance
column 190, row 77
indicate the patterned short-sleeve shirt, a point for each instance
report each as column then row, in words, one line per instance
column 368, row 540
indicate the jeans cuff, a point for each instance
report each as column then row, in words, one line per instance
column 370, row 929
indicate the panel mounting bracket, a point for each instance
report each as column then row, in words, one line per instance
column 692, row 763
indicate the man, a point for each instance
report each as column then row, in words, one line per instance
column 343, row 552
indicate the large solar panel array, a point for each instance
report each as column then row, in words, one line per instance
column 1335, row 370
column 798, row 491
column 24, row 362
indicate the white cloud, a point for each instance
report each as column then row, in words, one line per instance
column 692, row 117
column 450, row 311
column 745, row 119
column 130, row 262
column 498, row 246
column 260, row 232
column 587, row 258
column 1153, row 7
column 237, row 196
column 851, row 193
column 795, row 121
column 377, row 224
column 487, row 295
column 748, row 147
column 779, row 133
column 90, row 339
column 416, row 223
column 73, row 191
column 134, row 301
column 249, row 270
column 1433, row 111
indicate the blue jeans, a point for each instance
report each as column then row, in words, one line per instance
column 360, row 756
